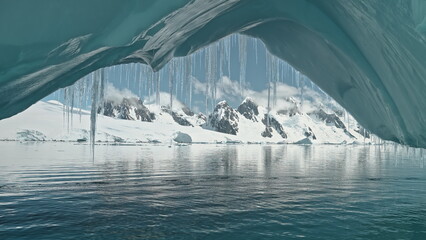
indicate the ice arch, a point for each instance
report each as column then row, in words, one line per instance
column 370, row 55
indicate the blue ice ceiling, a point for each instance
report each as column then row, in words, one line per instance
column 369, row 55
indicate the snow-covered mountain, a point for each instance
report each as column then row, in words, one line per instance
column 224, row 119
column 289, row 125
column 129, row 109
column 130, row 120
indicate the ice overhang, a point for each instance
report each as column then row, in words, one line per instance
column 370, row 55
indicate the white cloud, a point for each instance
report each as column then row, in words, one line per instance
column 231, row 91
column 116, row 95
column 226, row 89
column 306, row 98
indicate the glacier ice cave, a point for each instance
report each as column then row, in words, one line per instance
column 369, row 55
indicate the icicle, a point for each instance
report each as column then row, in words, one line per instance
column 363, row 134
column 63, row 93
column 269, row 105
column 120, row 73
column 171, row 81
column 69, row 94
column 135, row 74
column 146, row 81
column 302, row 93
column 207, row 76
column 273, row 74
column 94, row 109
column 255, row 49
column 176, row 74
column 284, row 73
column 298, row 79
column 182, row 76
column 157, row 88
column 201, row 53
column 348, row 119
column 276, row 75
column 81, row 95
column 180, row 69
column 227, row 47
column 88, row 86
column 213, row 77
column 150, row 79
column 221, row 58
column 267, row 65
column 102, row 85
column 152, row 76
column 129, row 69
column 191, row 82
column 188, row 74
column 71, row 109
column 268, row 68
column 242, row 44
column 140, row 81
column 190, row 93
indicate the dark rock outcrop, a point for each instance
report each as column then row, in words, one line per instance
column 143, row 114
column 187, row 111
column 339, row 112
column 178, row 118
column 364, row 132
column 201, row 119
column 249, row 109
column 309, row 133
column 129, row 109
column 224, row 119
column 201, row 116
column 267, row 133
column 275, row 125
column 330, row 119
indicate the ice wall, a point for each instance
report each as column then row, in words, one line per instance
column 369, row 55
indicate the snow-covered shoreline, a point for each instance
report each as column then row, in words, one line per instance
column 46, row 121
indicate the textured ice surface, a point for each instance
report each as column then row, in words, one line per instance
column 369, row 55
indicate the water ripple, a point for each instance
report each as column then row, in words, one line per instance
column 225, row 192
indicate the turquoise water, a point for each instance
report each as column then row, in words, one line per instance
column 56, row 191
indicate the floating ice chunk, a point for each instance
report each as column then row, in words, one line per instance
column 305, row 141
column 181, row 137
column 30, row 135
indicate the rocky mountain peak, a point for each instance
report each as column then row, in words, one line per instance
column 128, row 108
column 224, row 119
column 177, row 117
column 275, row 124
column 188, row 111
column 249, row 109
column 330, row 119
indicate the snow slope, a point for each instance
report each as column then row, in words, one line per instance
column 369, row 55
column 45, row 121
column 47, row 118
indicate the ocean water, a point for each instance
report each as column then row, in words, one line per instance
column 57, row 191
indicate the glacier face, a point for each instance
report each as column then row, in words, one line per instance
column 369, row 55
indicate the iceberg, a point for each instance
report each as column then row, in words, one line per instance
column 181, row 137
column 369, row 55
